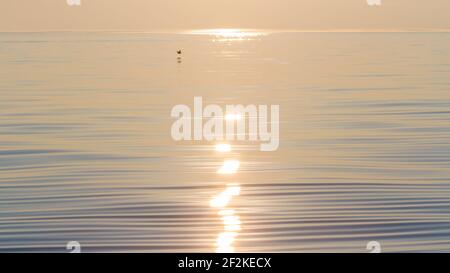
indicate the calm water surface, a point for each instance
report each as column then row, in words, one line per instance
column 86, row 153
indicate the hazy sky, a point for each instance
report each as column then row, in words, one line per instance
column 35, row 15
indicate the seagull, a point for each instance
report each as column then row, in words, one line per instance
column 179, row 52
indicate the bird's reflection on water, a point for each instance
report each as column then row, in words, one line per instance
column 231, row 221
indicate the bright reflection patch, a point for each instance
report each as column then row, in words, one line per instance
column 225, row 242
column 231, row 223
column 223, row 199
column 223, row 148
column 229, row 167
column 226, row 212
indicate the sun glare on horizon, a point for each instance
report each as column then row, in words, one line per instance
column 230, row 34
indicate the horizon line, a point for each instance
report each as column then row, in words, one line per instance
column 198, row 31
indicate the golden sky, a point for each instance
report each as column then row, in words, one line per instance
column 147, row 15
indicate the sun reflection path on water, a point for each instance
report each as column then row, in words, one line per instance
column 231, row 221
